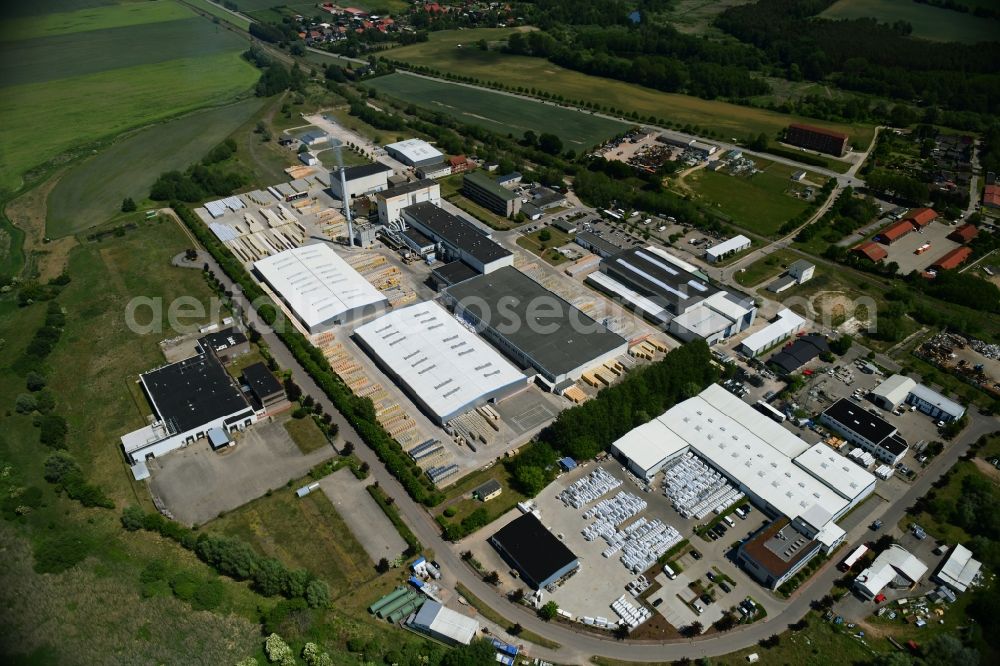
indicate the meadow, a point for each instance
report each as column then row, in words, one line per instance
column 932, row 23
column 455, row 51
column 92, row 18
column 503, row 114
column 218, row 12
column 757, row 203
column 91, row 191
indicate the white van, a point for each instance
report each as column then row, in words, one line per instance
column 729, row 521
column 669, row 572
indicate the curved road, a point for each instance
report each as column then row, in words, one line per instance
column 578, row 647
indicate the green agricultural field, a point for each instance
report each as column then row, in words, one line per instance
column 91, row 192
column 455, row 51
column 42, row 120
column 219, row 12
column 33, row 61
column 758, row 203
column 933, row 23
column 504, row 114
column 93, row 18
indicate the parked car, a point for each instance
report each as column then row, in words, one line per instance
column 657, row 602
column 705, row 599
column 710, row 576
column 695, row 554
column 876, row 526
column 725, row 587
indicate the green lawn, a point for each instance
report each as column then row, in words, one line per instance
column 92, row 18
column 92, row 191
column 546, row 251
column 498, row 112
column 498, row 506
column 306, row 434
column 758, row 203
column 933, row 23
column 442, row 52
column 767, row 267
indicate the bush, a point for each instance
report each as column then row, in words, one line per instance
column 35, row 381
column 52, row 431
column 209, row 595
column 25, row 403
column 132, row 518
column 60, row 552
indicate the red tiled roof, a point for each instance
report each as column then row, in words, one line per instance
column 952, row 259
column 895, row 231
column 991, row 196
column 818, row 130
column 871, row 251
column 964, row 233
column 921, row 217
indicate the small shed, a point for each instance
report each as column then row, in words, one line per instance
column 567, row 463
column 488, row 490
column 218, row 438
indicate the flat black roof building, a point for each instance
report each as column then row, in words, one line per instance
column 860, row 420
column 222, row 340
column 460, row 238
column 453, row 273
column 599, row 246
column 534, row 326
column 362, row 171
column 535, row 552
column 193, row 392
column 261, row 381
column 417, row 240
column 799, row 353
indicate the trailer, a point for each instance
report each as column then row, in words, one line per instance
column 853, row 558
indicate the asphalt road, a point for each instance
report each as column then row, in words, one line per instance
column 578, row 647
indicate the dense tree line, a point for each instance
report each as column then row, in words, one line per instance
column 847, row 214
column 657, row 57
column 868, row 56
column 897, row 185
column 583, row 431
column 202, row 180
column 234, row 558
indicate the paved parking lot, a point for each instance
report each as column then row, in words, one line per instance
column 196, row 484
column 902, row 251
column 365, row 518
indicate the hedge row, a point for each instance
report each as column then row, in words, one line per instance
column 359, row 412
column 413, row 544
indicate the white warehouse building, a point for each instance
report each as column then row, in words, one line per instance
column 783, row 327
column 391, row 202
column 320, row 288
column 446, row 368
column 776, row 469
column 362, row 179
column 415, row 152
column 726, row 247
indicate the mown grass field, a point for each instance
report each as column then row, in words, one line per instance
column 933, row 23
column 92, row 191
column 758, row 203
column 503, row 114
column 442, row 52
column 767, row 268
column 220, row 13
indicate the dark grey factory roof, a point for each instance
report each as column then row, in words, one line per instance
column 405, row 188
column 418, row 238
column 455, row 272
column 482, row 180
column 222, row 340
column 456, row 231
column 193, row 392
column 558, row 336
column 260, row 380
column 600, row 244
column 799, row 353
column 363, row 171
column 655, row 277
column 536, row 551
column 860, row 420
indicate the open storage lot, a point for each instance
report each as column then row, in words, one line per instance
column 903, row 250
column 196, row 484
column 368, row 523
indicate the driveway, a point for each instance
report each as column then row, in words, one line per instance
column 368, row 523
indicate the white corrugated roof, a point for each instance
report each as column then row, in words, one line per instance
column 895, row 388
column 959, row 569
column 650, row 444
column 836, row 471
column 441, row 620
column 893, row 561
column 702, row 321
column 635, row 298
column 415, row 150
column 946, row 405
column 786, row 323
column 728, row 245
column 440, row 360
column 316, row 283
